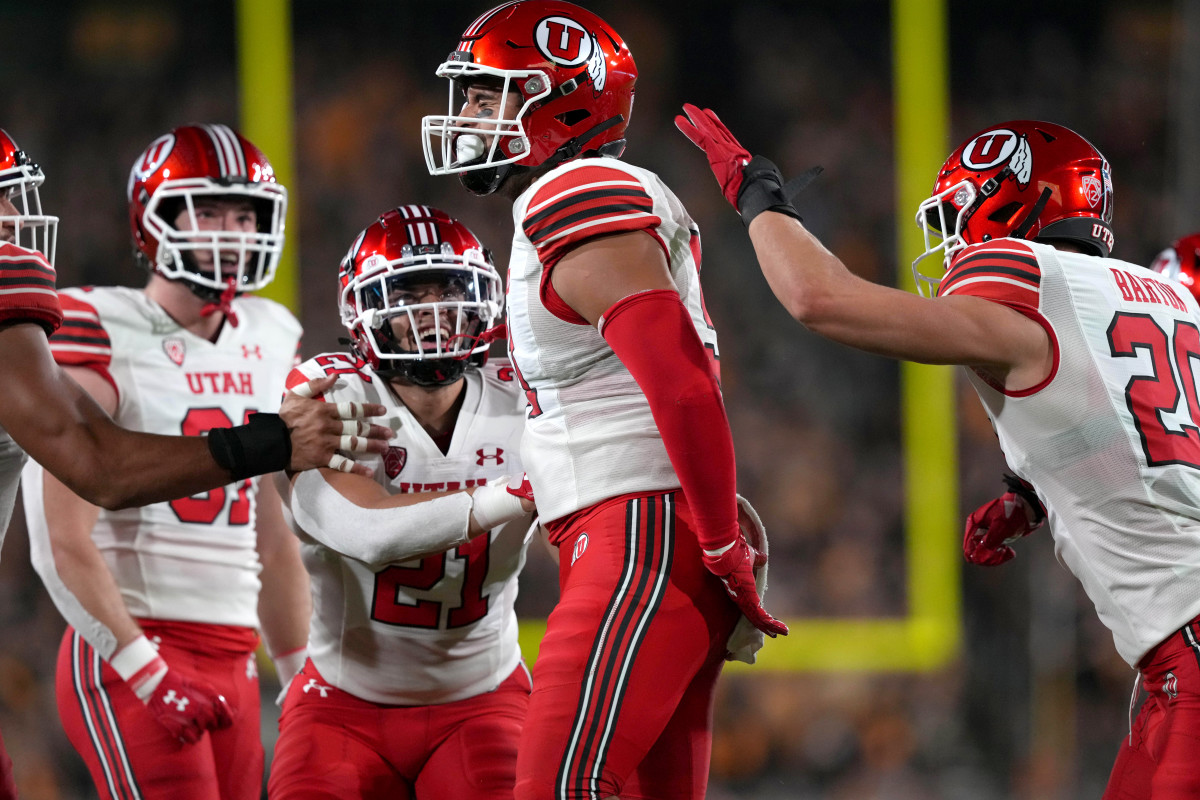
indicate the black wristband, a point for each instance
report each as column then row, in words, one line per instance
column 262, row 445
column 763, row 189
column 1024, row 490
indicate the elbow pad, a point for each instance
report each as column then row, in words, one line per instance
column 378, row 536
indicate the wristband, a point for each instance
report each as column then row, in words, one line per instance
column 262, row 445
column 1024, row 490
column 494, row 505
column 289, row 663
column 140, row 666
column 763, row 189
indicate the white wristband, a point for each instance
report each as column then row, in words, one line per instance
column 139, row 665
column 288, row 664
column 494, row 505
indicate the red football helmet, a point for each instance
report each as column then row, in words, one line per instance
column 19, row 182
column 575, row 77
column 214, row 161
column 1181, row 262
column 1021, row 179
column 417, row 291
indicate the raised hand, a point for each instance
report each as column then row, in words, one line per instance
column 751, row 184
column 726, row 156
column 319, row 429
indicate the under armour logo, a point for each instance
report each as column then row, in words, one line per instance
column 255, row 351
column 1171, row 685
column 484, row 456
column 251, row 667
column 312, row 684
column 179, row 702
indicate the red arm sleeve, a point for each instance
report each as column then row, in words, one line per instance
column 653, row 335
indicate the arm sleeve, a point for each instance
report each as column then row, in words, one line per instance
column 27, row 291
column 377, row 536
column 653, row 335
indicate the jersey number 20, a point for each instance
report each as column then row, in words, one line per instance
column 1151, row 396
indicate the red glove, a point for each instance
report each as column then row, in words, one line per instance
column 995, row 524
column 735, row 567
column 522, row 489
column 752, row 185
column 187, row 709
column 726, row 156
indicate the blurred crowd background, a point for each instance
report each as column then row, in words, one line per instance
column 1035, row 705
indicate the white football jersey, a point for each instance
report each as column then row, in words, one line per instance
column 193, row 559
column 590, row 434
column 435, row 629
column 1111, row 440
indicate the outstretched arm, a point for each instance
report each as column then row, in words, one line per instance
column 65, row 430
column 822, row 294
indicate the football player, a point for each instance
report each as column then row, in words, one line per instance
column 994, row 526
column 627, row 444
column 414, row 685
column 46, row 414
column 1083, row 363
column 156, row 681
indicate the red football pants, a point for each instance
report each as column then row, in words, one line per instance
column 623, row 684
column 1161, row 758
column 129, row 754
column 333, row 745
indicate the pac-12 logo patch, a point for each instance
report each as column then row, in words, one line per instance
column 394, row 460
column 989, row 150
column 175, row 349
column 1093, row 190
column 567, row 43
column 581, row 544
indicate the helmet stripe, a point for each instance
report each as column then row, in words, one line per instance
column 235, row 146
column 220, row 150
column 233, row 150
column 479, row 23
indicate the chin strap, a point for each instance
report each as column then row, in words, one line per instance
column 1035, row 212
column 487, row 337
column 576, row 145
column 222, row 304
